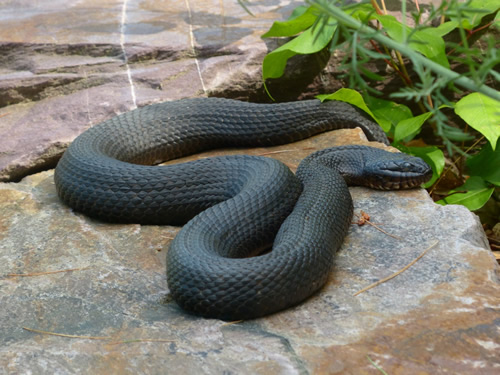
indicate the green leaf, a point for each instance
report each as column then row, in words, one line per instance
column 486, row 164
column 387, row 113
column 425, row 41
column 476, row 10
column 432, row 155
column 314, row 39
column 300, row 10
column 410, row 127
column 297, row 23
column 371, row 75
column 349, row 96
column 477, row 193
column 446, row 28
column 482, row 113
column 274, row 63
column 360, row 11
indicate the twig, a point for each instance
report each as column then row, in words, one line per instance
column 64, row 335
column 281, row 151
column 274, row 152
column 45, row 273
column 383, row 231
column 95, row 337
column 376, row 366
column 470, row 33
column 376, row 7
column 242, row 4
column 453, row 163
column 396, row 273
column 383, row 6
column 365, row 219
column 406, row 80
column 417, row 6
column 139, row 340
column 230, row 323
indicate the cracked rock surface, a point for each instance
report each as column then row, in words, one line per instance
column 67, row 65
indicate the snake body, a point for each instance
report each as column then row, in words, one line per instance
column 233, row 205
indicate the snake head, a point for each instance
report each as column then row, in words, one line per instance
column 395, row 171
column 371, row 167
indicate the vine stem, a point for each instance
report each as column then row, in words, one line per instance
column 440, row 70
column 406, row 80
column 376, row 7
column 469, row 35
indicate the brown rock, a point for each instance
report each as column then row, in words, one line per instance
column 69, row 65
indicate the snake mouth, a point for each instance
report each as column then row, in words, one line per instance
column 402, row 184
column 399, row 174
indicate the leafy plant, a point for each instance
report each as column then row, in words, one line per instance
column 427, row 58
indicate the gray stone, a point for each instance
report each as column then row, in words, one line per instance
column 67, row 65
column 439, row 316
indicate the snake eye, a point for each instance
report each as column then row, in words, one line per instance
column 397, row 171
column 416, row 166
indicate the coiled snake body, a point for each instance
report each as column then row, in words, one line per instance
column 233, row 205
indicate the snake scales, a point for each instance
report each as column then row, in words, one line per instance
column 233, row 205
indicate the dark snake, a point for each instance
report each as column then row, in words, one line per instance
column 237, row 205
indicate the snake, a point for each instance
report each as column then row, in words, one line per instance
column 256, row 238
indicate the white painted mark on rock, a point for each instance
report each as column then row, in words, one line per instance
column 123, row 24
column 489, row 345
column 191, row 38
column 87, row 97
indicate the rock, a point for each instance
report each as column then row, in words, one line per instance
column 439, row 316
column 68, row 65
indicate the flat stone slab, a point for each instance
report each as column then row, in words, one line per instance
column 440, row 316
column 67, row 65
